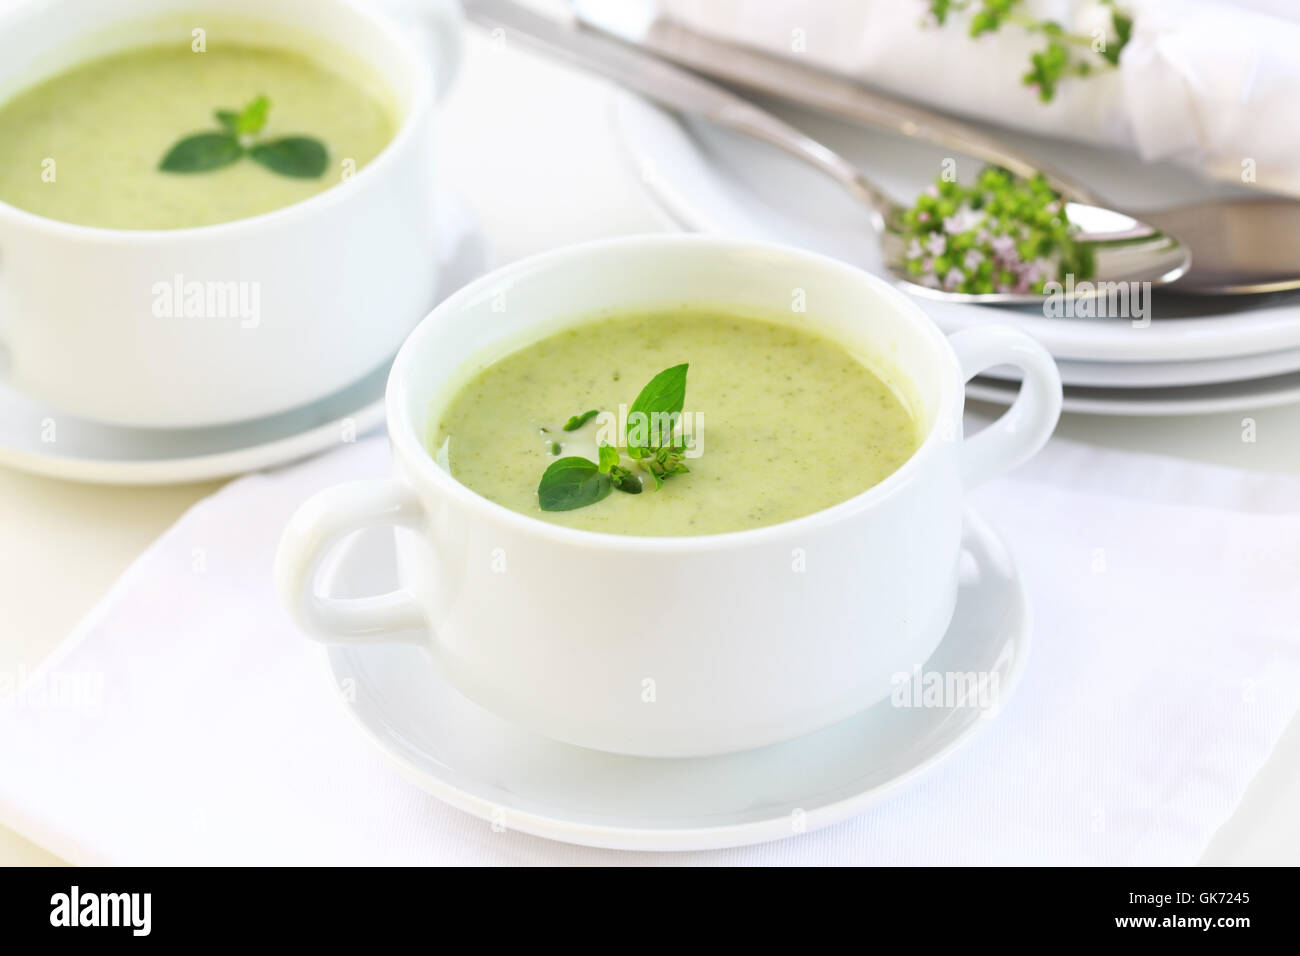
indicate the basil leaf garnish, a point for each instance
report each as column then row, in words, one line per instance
column 201, row 152
column 252, row 117
column 299, row 156
column 248, row 121
column 664, row 395
column 624, row 480
column 576, row 482
column 608, row 458
column 572, row 483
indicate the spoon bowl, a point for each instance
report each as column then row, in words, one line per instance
column 1126, row 250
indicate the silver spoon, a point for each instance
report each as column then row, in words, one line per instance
column 1239, row 246
column 1126, row 249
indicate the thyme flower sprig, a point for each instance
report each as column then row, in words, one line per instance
column 1004, row 233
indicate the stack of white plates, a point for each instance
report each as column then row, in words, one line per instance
column 1187, row 356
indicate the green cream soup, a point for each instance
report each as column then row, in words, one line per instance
column 783, row 422
column 85, row 146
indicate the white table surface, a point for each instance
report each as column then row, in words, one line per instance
column 529, row 146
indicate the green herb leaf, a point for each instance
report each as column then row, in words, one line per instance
column 666, row 392
column 572, row 483
column 201, row 152
column 1123, row 25
column 577, row 421
column 253, row 116
column 624, row 480
column 248, row 121
column 665, row 463
column 664, row 395
column 576, row 482
column 299, row 156
column 608, row 457
column 671, row 461
column 1055, row 62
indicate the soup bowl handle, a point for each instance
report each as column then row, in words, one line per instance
column 318, row 525
column 1025, row 427
column 438, row 25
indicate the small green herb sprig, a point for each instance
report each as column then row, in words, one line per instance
column 575, row 482
column 1050, row 65
column 1002, row 234
column 577, row 421
column 300, row 157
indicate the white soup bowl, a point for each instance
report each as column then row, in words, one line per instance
column 673, row 646
column 340, row 279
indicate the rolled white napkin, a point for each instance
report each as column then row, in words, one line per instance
column 1211, row 84
column 185, row 721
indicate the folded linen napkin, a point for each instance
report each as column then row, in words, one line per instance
column 185, row 721
column 1208, row 83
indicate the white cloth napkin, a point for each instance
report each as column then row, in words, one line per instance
column 1208, row 83
column 185, row 721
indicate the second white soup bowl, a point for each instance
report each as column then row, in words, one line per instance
column 341, row 277
column 673, row 646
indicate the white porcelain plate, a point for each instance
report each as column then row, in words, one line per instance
column 501, row 772
column 1180, row 400
column 1242, row 369
column 711, row 180
column 38, row 438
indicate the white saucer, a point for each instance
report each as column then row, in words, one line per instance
column 1149, row 375
column 109, row 454
column 504, row 774
column 711, row 180
column 1179, row 400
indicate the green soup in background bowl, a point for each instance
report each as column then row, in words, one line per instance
column 149, row 297
column 86, row 145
